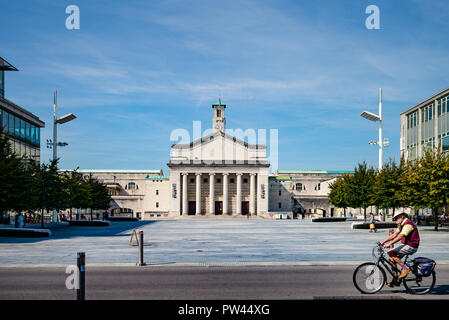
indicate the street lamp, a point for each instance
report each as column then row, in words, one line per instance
column 377, row 118
column 65, row 118
column 55, row 144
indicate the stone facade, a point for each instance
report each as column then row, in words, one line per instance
column 302, row 192
column 137, row 193
column 218, row 175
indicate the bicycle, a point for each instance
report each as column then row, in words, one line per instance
column 370, row 277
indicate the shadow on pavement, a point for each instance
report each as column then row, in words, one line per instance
column 440, row 289
column 115, row 229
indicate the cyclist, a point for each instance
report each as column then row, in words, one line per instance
column 408, row 234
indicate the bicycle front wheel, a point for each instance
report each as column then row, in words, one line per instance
column 416, row 284
column 369, row 278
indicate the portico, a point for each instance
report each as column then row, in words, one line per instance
column 220, row 193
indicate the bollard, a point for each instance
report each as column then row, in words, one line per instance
column 81, row 264
column 141, row 262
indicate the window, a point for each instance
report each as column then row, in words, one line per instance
column 245, row 180
column 192, row 180
column 11, row 124
column 205, row 180
column 218, row 180
column 280, row 205
column 218, row 113
column 318, row 187
column 4, row 120
column 280, row 192
column 27, row 131
column 445, row 143
column 157, row 204
column 22, row 128
column 132, row 186
column 299, row 186
column 232, row 180
column 157, row 192
column 16, row 127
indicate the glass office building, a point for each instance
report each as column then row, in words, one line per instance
column 425, row 125
column 19, row 125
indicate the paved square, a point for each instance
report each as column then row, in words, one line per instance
column 232, row 241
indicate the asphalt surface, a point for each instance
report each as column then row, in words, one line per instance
column 202, row 283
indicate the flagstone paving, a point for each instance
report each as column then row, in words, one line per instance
column 217, row 240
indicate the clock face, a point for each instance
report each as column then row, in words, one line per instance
column 218, row 126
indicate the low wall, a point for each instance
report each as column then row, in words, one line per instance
column 378, row 225
column 89, row 223
column 123, row 219
column 330, row 219
column 25, row 233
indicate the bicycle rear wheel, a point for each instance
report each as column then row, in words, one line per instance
column 416, row 284
column 369, row 278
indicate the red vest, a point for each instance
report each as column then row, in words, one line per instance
column 412, row 239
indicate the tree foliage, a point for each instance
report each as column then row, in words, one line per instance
column 423, row 183
column 28, row 187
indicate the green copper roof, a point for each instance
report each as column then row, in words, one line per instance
column 280, row 178
column 218, row 103
column 315, row 171
column 157, row 178
column 115, row 171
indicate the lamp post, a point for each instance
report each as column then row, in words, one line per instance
column 54, row 144
column 65, row 118
column 377, row 118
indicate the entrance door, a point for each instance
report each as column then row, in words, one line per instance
column 218, row 207
column 192, row 208
column 245, row 207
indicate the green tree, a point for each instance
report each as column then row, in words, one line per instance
column 99, row 198
column 360, row 188
column 426, row 182
column 77, row 191
column 48, row 188
column 339, row 189
column 11, row 168
column 387, row 186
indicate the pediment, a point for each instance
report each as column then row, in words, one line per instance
column 218, row 147
column 217, row 138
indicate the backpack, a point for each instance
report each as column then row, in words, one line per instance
column 424, row 266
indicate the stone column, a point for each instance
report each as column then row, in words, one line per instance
column 252, row 194
column 198, row 193
column 185, row 202
column 225, row 193
column 239, row 194
column 212, row 193
column 258, row 194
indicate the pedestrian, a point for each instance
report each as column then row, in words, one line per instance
column 372, row 226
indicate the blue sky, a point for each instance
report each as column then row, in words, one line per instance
column 136, row 70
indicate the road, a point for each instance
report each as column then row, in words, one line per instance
column 201, row 283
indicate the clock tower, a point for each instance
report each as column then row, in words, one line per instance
column 219, row 120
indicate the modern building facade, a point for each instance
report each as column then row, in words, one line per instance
column 425, row 125
column 19, row 125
